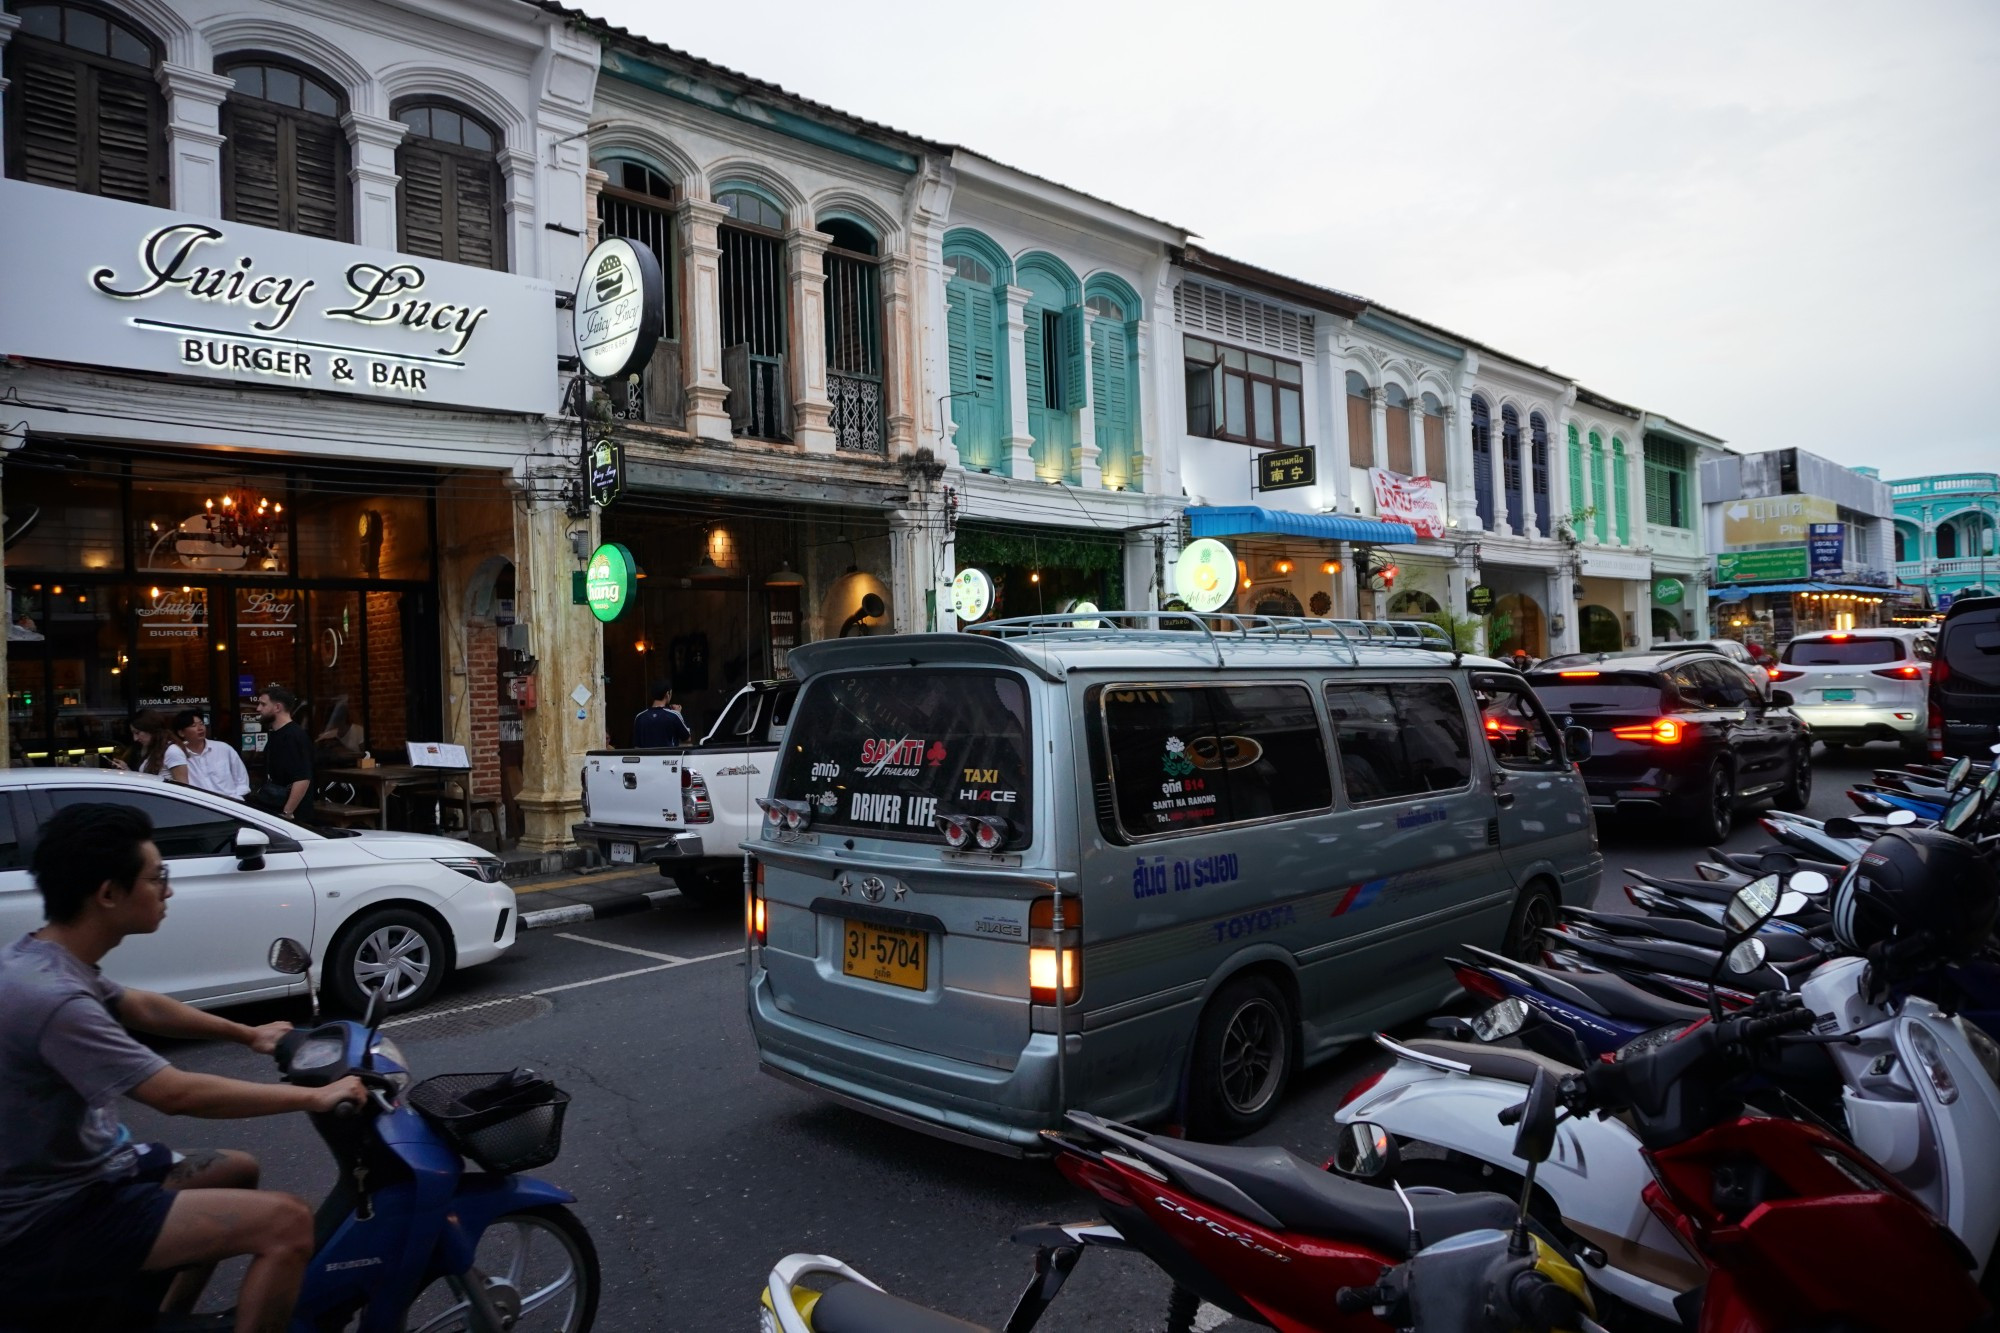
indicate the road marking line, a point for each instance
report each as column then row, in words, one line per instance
column 570, row 985
column 622, row 948
column 615, row 976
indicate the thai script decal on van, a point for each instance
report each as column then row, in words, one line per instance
column 1255, row 923
column 874, row 807
column 1419, row 818
column 825, row 768
column 1155, row 875
column 904, row 757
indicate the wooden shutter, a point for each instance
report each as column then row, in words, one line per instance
column 250, row 158
column 958, row 340
column 80, row 126
column 1360, row 432
column 736, row 374
column 126, row 135
column 421, row 198
column 666, row 388
column 317, row 151
column 48, row 118
column 1401, row 459
column 1437, row 458
column 476, row 196
column 970, row 333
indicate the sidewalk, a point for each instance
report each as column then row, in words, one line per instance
column 573, row 896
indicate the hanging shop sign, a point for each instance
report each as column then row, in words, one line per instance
column 1205, row 574
column 1478, row 599
column 620, row 309
column 1774, row 518
column 610, row 581
column 1285, row 469
column 1411, row 500
column 1668, row 592
column 1785, row 562
column 1826, row 545
column 144, row 289
column 605, row 468
column 1084, row 607
column 971, row 594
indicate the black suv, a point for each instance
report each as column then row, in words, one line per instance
column 1965, row 680
column 1682, row 731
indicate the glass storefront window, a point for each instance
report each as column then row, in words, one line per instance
column 75, row 516
column 172, row 659
column 345, row 536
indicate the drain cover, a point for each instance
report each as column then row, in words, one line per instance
column 466, row 1019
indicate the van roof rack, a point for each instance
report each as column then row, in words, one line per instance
column 1218, row 627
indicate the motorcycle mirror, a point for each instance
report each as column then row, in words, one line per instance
column 1753, row 904
column 1961, row 812
column 289, row 957
column 1365, row 1151
column 1453, row 1027
column 1959, row 771
column 1535, row 1139
column 1991, row 782
column 1501, row 1021
column 1746, row 957
column 1777, row 863
column 1840, row 826
column 1900, row 818
column 1790, row 904
column 1809, row 882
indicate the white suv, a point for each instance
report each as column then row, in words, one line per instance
column 1854, row 686
column 400, row 910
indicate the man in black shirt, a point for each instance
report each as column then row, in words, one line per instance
column 288, row 755
column 662, row 725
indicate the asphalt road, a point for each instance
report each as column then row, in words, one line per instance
column 695, row 1174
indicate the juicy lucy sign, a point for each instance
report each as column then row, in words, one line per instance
column 100, row 282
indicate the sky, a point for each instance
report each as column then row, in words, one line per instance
column 1776, row 222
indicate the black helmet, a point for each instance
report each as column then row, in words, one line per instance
column 1918, row 883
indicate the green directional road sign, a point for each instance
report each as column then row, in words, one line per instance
column 1783, row 562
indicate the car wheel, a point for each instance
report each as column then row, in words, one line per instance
column 1244, row 1052
column 1711, row 816
column 402, row 951
column 1534, row 912
column 1797, row 794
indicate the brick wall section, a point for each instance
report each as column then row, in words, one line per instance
column 483, row 689
column 388, row 712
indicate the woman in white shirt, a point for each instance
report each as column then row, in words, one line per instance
column 192, row 760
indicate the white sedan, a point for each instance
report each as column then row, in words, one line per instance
column 394, row 910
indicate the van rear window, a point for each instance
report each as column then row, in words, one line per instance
column 1842, row 652
column 884, row 753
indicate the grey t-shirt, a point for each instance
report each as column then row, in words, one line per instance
column 64, row 1062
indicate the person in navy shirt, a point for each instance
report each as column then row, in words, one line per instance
column 661, row 726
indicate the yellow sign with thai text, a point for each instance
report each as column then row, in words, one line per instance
column 1776, row 518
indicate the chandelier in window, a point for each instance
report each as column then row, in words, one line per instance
column 234, row 531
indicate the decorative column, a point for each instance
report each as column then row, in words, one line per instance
column 1559, row 473
column 1145, row 421
column 1084, row 457
column 899, row 343
column 594, row 182
column 1020, row 444
column 570, row 649
column 1378, row 424
column 707, row 397
column 1462, row 496
column 194, row 138
column 1418, row 463
column 1496, row 464
column 1329, row 432
column 812, row 413
column 372, row 145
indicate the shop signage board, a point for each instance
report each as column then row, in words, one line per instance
column 1205, row 574
column 1478, row 599
column 100, row 282
column 606, row 472
column 1284, row 469
column 1668, row 591
column 971, row 594
column 1411, row 500
column 1775, row 518
column 619, row 310
column 610, row 581
column 1827, row 543
column 1785, row 562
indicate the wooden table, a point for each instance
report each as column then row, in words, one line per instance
column 388, row 778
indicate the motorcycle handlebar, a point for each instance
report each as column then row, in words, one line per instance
column 1540, row 1304
column 1763, row 1029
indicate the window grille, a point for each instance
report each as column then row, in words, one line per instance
column 1242, row 319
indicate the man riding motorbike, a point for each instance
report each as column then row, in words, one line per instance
column 83, row 1209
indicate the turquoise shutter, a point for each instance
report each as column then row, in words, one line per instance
column 1111, row 399
column 975, row 406
column 1619, row 483
column 1073, row 368
column 1575, row 474
column 1601, row 520
column 1032, row 354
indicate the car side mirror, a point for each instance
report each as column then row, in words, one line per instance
column 251, row 844
column 1782, row 699
column 1576, row 743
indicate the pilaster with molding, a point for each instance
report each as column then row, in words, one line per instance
column 517, row 170
column 194, row 137
column 1084, row 460
column 570, row 648
column 1378, row 424
column 899, row 346
column 372, row 143
column 707, row 397
column 812, row 413
column 1020, row 444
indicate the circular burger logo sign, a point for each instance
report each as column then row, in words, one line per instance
column 1205, row 574
column 619, row 310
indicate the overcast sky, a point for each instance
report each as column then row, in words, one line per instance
column 1777, row 222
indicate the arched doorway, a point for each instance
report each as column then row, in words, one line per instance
column 1516, row 625
column 1598, row 631
column 1413, row 602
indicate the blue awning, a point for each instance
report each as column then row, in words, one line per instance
column 1736, row 592
column 1239, row 520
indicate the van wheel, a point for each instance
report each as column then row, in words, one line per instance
column 1535, row 912
column 1243, row 1056
column 1797, row 794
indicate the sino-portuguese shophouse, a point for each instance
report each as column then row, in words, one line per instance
column 282, row 353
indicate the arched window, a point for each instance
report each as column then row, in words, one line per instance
column 1621, row 508
column 1599, row 630
column 854, row 336
column 754, row 297
column 1052, row 362
column 636, row 204
column 1114, row 395
column 1599, row 498
column 83, row 110
column 1947, row 542
column 1482, row 461
column 1402, row 455
column 450, row 199
column 1538, row 449
column 1437, row 456
column 1902, row 545
column 1360, row 422
column 1510, row 466
column 284, row 154
column 975, row 269
column 1576, row 500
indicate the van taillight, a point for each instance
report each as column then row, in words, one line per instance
column 753, row 921
column 1043, row 942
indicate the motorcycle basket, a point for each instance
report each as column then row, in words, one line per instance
column 503, row 1122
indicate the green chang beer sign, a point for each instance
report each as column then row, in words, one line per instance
column 1785, row 562
column 609, row 581
column 1478, row 599
column 1668, row 592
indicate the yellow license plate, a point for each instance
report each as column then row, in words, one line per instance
column 885, row 954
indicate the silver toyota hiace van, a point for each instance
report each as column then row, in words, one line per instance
column 1147, row 865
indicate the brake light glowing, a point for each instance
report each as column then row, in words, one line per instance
column 1778, row 673
column 1838, row 638
column 1660, row 731
column 1900, row 672
column 754, row 921
column 1045, row 942
column 1576, row 675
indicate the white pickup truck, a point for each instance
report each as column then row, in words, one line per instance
column 688, row 808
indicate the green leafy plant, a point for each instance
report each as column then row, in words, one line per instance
column 1464, row 630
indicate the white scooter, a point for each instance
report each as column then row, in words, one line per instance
column 1922, row 1096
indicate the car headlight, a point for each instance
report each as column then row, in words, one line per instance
column 485, row 869
column 318, row 1053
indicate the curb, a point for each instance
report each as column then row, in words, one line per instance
column 624, row 905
